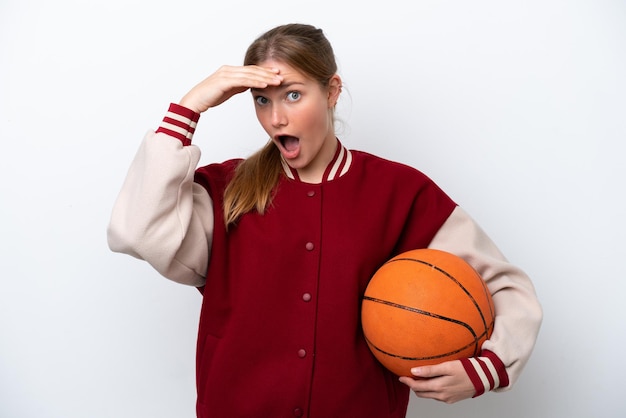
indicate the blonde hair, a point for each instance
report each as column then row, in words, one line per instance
column 251, row 187
column 306, row 49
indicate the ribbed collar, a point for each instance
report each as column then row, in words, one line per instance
column 338, row 166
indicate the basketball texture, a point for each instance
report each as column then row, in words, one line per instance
column 424, row 307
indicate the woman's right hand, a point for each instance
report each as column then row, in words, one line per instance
column 226, row 82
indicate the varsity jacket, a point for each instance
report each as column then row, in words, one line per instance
column 279, row 331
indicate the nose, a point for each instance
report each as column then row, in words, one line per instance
column 279, row 116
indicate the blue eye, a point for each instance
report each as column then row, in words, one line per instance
column 293, row 96
column 260, row 100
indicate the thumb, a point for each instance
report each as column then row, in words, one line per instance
column 426, row 372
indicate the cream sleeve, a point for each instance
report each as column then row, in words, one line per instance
column 162, row 216
column 518, row 311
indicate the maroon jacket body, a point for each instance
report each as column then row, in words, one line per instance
column 280, row 332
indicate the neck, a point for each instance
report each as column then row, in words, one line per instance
column 314, row 172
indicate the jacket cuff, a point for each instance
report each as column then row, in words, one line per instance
column 487, row 372
column 180, row 123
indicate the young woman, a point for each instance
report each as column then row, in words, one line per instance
column 282, row 245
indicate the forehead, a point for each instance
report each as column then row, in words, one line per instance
column 292, row 79
column 288, row 72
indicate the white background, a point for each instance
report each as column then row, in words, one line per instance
column 516, row 108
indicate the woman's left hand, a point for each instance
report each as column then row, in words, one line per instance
column 446, row 382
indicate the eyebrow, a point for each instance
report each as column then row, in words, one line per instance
column 283, row 86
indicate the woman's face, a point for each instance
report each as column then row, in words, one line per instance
column 297, row 115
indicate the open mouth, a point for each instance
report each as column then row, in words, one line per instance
column 289, row 143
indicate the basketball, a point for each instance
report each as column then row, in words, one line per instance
column 425, row 307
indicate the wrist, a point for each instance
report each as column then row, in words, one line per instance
column 487, row 372
column 188, row 103
column 179, row 122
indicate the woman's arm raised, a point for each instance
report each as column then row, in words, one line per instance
column 160, row 215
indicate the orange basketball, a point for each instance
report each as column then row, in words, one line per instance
column 424, row 307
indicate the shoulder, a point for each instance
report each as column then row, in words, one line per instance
column 369, row 163
column 395, row 176
column 216, row 174
column 223, row 167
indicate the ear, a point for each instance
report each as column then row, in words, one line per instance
column 334, row 90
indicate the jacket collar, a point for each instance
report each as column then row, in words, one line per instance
column 338, row 166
